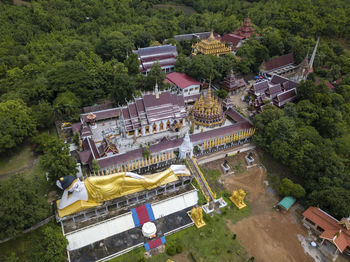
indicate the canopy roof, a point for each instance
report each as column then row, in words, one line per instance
column 287, row 202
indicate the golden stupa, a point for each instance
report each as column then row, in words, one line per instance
column 211, row 46
column 207, row 111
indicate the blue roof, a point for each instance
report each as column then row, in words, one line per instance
column 287, row 202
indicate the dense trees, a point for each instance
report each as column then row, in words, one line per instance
column 57, row 56
column 16, row 123
column 308, row 137
column 57, row 161
column 50, row 245
column 21, row 205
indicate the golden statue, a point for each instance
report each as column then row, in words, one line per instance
column 197, row 217
column 93, row 191
column 238, row 198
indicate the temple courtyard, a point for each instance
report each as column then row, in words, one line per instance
column 267, row 234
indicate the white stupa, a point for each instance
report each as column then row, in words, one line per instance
column 186, row 147
column 149, row 229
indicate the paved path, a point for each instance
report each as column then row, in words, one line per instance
column 221, row 154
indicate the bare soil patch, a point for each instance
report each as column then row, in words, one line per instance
column 268, row 235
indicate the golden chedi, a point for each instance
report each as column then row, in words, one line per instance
column 238, row 198
column 211, row 46
column 207, row 111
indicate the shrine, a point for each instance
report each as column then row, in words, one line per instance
column 232, row 84
column 211, row 46
column 207, row 111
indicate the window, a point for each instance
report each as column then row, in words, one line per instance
column 131, row 133
column 147, row 129
column 168, row 124
column 154, row 128
column 161, row 126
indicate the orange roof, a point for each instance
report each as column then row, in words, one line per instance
column 333, row 231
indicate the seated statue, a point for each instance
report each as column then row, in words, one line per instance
column 93, row 191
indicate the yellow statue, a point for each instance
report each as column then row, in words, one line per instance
column 238, row 198
column 93, row 191
column 197, row 217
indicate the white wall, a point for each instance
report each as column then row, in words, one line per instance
column 190, row 92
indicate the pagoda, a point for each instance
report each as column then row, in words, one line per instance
column 207, row 111
column 245, row 30
column 232, row 84
column 211, row 46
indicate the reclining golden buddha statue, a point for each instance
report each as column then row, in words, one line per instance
column 93, row 191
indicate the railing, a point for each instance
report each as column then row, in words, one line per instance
column 207, row 192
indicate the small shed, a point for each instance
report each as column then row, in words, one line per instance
column 286, row 203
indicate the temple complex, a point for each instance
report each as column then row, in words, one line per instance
column 207, row 111
column 232, row 84
column 211, row 46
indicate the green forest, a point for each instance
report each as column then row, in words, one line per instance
column 58, row 55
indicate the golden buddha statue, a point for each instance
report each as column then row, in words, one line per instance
column 197, row 217
column 238, row 198
column 93, row 191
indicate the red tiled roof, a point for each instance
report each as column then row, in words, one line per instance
column 232, row 38
column 332, row 230
column 330, row 86
column 181, row 80
column 278, row 62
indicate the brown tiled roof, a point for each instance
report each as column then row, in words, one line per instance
column 278, row 62
column 285, row 97
column 260, row 87
column 76, row 127
column 334, row 232
column 235, row 116
column 84, row 156
column 104, row 114
column 232, row 38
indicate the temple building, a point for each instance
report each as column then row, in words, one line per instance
column 165, row 55
column 186, row 85
column 211, row 46
column 278, row 91
column 238, row 37
column 232, row 84
column 331, row 232
column 157, row 121
column 207, row 111
column 246, row 30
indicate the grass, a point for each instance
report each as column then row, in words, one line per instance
column 213, row 242
column 16, row 161
column 212, row 176
column 24, row 244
